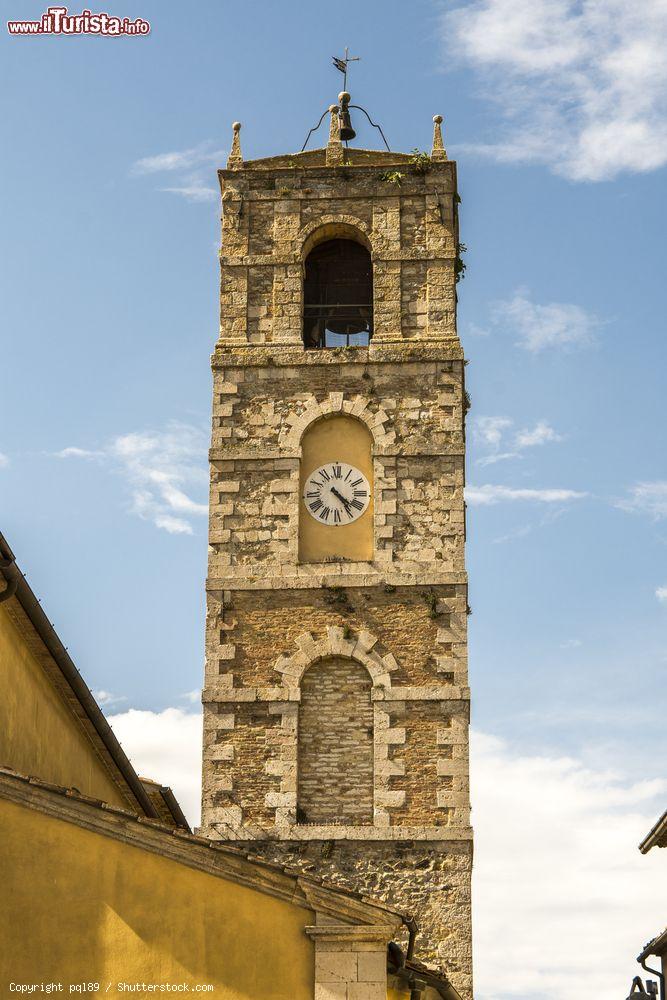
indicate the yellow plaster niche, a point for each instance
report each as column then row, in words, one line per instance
column 344, row 439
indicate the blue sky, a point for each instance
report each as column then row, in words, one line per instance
column 557, row 114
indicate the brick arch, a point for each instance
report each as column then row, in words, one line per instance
column 297, row 425
column 359, row 646
column 332, row 227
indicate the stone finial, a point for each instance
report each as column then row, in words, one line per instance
column 438, row 152
column 335, row 145
column 235, row 158
column 334, row 125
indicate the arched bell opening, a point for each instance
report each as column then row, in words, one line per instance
column 338, row 295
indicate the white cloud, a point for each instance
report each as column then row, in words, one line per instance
column 571, row 644
column 165, row 746
column 495, row 457
column 194, row 696
column 193, row 168
column 106, row 698
column 647, row 498
column 184, row 159
column 511, row 536
column 580, row 87
column 158, row 467
column 484, row 496
column 173, row 525
column 556, row 324
column 4, row 460
column 491, row 432
column 194, row 190
column 73, row 452
column 540, row 434
column 661, row 594
column 473, row 330
column 562, row 899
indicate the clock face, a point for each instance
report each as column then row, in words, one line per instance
column 336, row 494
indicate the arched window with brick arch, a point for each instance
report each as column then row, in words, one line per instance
column 335, row 744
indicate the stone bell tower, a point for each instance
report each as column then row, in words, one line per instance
column 336, row 703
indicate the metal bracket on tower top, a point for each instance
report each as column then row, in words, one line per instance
column 359, row 108
column 314, row 129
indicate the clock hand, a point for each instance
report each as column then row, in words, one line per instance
column 346, row 503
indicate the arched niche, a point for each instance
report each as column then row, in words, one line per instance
column 335, row 744
column 338, row 438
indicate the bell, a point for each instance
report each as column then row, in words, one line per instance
column 346, row 130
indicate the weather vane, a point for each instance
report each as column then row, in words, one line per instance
column 346, row 130
column 342, row 64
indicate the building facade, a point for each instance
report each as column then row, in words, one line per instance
column 336, row 699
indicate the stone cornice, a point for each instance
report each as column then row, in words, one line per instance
column 382, row 351
column 442, row 835
column 235, row 696
column 261, row 578
column 241, row 453
column 382, row 933
column 293, row 259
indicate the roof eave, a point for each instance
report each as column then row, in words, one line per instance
column 656, row 837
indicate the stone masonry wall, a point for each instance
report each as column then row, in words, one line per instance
column 254, row 495
column 424, row 626
column 430, row 880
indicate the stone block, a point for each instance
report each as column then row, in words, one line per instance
column 372, row 967
column 283, row 800
column 330, row 991
column 335, row 966
column 367, row 991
